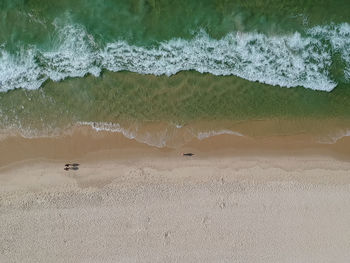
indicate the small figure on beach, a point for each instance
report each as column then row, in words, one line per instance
column 188, row 154
column 73, row 166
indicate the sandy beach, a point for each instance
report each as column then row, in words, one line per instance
column 237, row 200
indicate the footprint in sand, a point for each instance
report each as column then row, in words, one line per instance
column 167, row 237
column 222, row 203
column 206, row 221
column 146, row 223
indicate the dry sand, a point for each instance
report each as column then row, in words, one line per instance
column 236, row 200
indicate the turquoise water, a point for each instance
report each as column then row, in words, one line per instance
column 66, row 62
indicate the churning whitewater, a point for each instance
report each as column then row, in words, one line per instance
column 299, row 59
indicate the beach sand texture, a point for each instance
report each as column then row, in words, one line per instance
column 143, row 204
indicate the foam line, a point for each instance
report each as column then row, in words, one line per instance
column 287, row 61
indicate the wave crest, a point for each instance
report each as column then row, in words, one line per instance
column 287, row 61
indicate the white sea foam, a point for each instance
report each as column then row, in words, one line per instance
column 154, row 139
column 339, row 38
column 161, row 138
column 334, row 137
column 287, row 60
column 204, row 135
column 110, row 127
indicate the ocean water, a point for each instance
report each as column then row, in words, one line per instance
column 121, row 65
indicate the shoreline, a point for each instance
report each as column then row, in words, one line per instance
column 85, row 145
column 84, row 141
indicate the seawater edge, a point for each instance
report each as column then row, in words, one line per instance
column 83, row 141
column 185, row 98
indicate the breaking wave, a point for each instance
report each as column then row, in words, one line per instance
column 299, row 59
column 165, row 137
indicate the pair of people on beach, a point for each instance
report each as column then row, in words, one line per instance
column 73, row 166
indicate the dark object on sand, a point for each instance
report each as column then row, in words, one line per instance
column 69, row 166
column 188, row 154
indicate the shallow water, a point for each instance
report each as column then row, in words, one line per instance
column 65, row 62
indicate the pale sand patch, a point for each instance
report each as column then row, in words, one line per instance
column 235, row 201
column 249, row 209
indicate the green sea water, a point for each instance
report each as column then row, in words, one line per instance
column 158, row 61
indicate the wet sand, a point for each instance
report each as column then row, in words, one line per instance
column 270, row 199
